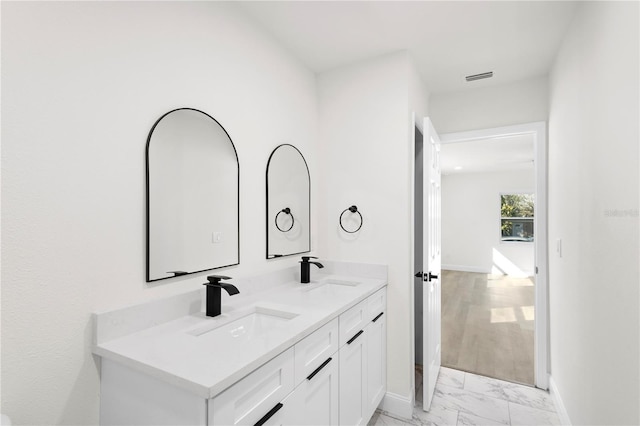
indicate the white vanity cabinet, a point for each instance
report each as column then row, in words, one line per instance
column 340, row 375
column 334, row 376
column 363, row 360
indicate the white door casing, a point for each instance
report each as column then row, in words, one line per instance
column 432, row 260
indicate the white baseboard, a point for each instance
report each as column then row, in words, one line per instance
column 557, row 400
column 397, row 405
column 464, row 268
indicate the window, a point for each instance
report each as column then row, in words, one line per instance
column 516, row 217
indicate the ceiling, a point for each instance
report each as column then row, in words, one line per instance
column 488, row 155
column 448, row 40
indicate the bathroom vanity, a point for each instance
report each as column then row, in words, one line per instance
column 281, row 352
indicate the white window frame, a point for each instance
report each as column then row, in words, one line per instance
column 500, row 217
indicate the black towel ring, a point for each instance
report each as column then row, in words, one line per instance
column 352, row 209
column 286, row 210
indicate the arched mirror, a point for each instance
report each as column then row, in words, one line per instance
column 288, row 203
column 192, row 196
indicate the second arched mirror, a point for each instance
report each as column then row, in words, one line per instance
column 288, row 203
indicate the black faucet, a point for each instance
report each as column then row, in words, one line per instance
column 214, row 299
column 305, row 268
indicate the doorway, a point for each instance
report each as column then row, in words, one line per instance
column 495, row 278
column 488, row 238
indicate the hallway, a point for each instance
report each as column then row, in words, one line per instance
column 487, row 325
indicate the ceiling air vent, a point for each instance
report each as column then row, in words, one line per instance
column 479, row 76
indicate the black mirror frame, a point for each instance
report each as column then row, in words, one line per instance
column 267, row 204
column 182, row 273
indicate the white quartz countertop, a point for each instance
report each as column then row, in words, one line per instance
column 183, row 352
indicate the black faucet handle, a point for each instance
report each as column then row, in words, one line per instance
column 306, row 258
column 215, row 279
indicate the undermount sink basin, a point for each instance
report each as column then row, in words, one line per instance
column 332, row 287
column 335, row 281
column 253, row 324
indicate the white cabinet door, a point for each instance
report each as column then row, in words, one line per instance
column 376, row 345
column 353, row 381
column 316, row 400
column 257, row 396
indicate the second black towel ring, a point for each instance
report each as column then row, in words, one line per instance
column 286, row 210
column 352, row 209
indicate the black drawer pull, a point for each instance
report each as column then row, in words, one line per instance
column 350, row 341
column 269, row 414
column 317, row 370
column 377, row 317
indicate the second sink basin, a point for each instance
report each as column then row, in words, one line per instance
column 252, row 324
column 336, row 281
column 332, row 286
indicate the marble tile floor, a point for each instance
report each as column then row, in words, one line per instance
column 468, row 399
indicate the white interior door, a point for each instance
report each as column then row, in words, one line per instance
column 432, row 255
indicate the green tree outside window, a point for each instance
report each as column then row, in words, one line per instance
column 517, row 212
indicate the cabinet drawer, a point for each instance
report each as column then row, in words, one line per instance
column 376, row 304
column 250, row 399
column 353, row 321
column 315, row 349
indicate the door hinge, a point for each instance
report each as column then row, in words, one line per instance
column 536, row 269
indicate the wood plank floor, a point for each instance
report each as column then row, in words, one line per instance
column 487, row 325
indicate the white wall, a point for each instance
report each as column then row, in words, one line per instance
column 494, row 106
column 367, row 149
column 593, row 172
column 83, row 82
column 471, row 223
